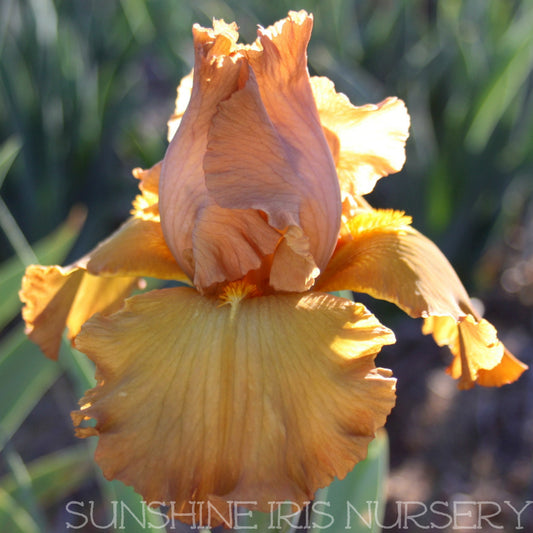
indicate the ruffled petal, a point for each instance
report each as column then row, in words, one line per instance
column 248, row 166
column 236, row 152
column 382, row 255
column 57, row 297
column 367, row 142
column 149, row 182
column 263, row 399
column 184, row 198
column 493, row 365
column 279, row 62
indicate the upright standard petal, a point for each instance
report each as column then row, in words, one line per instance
column 210, row 243
column 367, row 142
column 279, row 62
column 250, row 156
column 263, row 399
column 383, row 256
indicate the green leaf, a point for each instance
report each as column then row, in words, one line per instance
column 8, row 153
column 357, row 502
column 25, row 375
column 505, row 85
column 50, row 250
column 128, row 510
column 13, row 517
column 54, row 476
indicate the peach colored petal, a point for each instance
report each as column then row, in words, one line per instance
column 293, row 267
column 279, row 62
column 229, row 243
column 183, row 196
column 383, row 256
column 247, row 166
column 263, row 399
column 57, row 297
column 367, row 142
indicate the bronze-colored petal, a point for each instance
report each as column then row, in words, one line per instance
column 382, row 255
column 263, row 399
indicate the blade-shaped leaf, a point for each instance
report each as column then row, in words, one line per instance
column 25, row 375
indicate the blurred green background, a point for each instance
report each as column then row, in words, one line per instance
column 86, row 88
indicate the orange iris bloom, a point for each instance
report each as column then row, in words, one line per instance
column 254, row 383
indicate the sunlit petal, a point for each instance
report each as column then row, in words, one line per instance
column 493, row 364
column 382, row 255
column 137, row 248
column 262, row 399
column 56, row 298
column 367, row 142
column 182, row 101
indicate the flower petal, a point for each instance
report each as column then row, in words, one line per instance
column 493, row 365
column 182, row 101
column 229, row 243
column 247, row 166
column 189, row 215
column 279, row 62
column 386, row 258
column 137, row 248
column 57, row 297
column 383, row 256
column 367, row 142
column 264, row 399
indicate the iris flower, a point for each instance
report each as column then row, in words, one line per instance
column 254, row 383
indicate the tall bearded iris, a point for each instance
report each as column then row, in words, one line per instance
column 254, row 384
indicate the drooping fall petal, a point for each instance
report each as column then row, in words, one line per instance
column 57, row 297
column 493, row 365
column 262, row 398
column 367, row 142
column 382, row 255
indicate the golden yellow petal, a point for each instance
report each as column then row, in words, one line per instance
column 182, row 101
column 137, row 248
column 149, row 179
column 263, row 400
column 367, row 142
column 381, row 255
column 57, row 297
column 386, row 258
column 479, row 357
